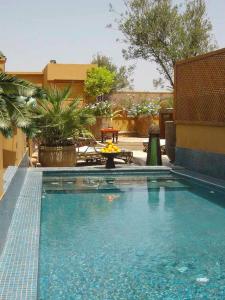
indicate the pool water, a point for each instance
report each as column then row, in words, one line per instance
column 131, row 237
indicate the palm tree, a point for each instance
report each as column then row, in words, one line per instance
column 59, row 123
column 17, row 99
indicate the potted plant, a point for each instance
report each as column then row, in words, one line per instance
column 104, row 113
column 59, row 124
column 144, row 113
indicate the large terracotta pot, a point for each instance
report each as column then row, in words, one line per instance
column 170, row 135
column 101, row 122
column 143, row 124
column 61, row 156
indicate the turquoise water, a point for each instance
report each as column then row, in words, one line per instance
column 131, row 237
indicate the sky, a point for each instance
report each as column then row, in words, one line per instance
column 72, row 31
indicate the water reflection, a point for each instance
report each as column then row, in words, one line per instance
column 111, row 197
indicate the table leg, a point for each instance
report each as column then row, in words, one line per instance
column 102, row 137
column 110, row 164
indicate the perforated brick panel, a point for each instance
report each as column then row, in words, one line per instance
column 200, row 89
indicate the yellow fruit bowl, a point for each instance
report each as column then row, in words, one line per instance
column 110, row 151
column 110, row 148
column 110, row 154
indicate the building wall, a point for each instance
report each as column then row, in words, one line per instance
column 60, row 76
column 34, row 77
column 14, row 149
column 67, row 72
column 1, row 165
column 2, row 64
column 203, row 138
column 77, row 88
column 12, row 152
column 200, row 113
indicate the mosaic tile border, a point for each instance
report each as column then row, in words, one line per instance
column 19, row 259
column 215, row 182
column 9, row 198
column 208, row 163
column 8, row 176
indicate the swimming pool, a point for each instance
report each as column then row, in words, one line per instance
column 140, row 236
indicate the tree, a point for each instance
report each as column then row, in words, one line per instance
column 99, row 82
column 17, row 100
column 159, row 31
column 122, row 74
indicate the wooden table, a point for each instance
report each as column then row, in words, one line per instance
column 114, row 132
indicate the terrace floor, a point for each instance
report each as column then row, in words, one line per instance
column 135, row 144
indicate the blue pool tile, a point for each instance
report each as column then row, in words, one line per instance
column 19, row 259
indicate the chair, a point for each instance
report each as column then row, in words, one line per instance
column 88, row 150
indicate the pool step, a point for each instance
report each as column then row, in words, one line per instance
column 112, row 186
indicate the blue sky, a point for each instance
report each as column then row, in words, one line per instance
column 72, row 31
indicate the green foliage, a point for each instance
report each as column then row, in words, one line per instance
column 100, row 108
column 167, row 103
column 99, row 81
column 159, row 31
column 104, row 109
column 145, row 108
column 17, row 101
column 122, row 74
column 59, row 123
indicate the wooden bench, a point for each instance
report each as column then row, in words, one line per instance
column 88, row 150
column 126, row 156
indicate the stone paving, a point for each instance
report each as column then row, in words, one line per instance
column 135, row 144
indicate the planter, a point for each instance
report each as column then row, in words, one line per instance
column 101, row 122
column 170, row 134
column 143, row 124
column 61, row 156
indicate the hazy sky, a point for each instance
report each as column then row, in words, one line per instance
column 72, row 31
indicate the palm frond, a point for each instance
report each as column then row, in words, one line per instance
column 5, row 122
column 59, row 121
column 12, row 85
column 17, row 100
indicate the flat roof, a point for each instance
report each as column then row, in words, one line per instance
column 24, row 73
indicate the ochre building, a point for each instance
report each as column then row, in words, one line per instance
column 13, row 151
column 54, row 74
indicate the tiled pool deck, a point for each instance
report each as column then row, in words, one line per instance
column 19, row 259
column 8, row 176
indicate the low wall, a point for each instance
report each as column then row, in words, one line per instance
column 125, row 124
column 201, row 148
column 124, row 98
column 131, row 126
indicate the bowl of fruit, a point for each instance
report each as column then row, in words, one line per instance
column 110, row 151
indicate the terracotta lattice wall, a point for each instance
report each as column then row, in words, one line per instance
column 200, row 89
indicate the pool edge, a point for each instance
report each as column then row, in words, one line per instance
column 19, row 258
